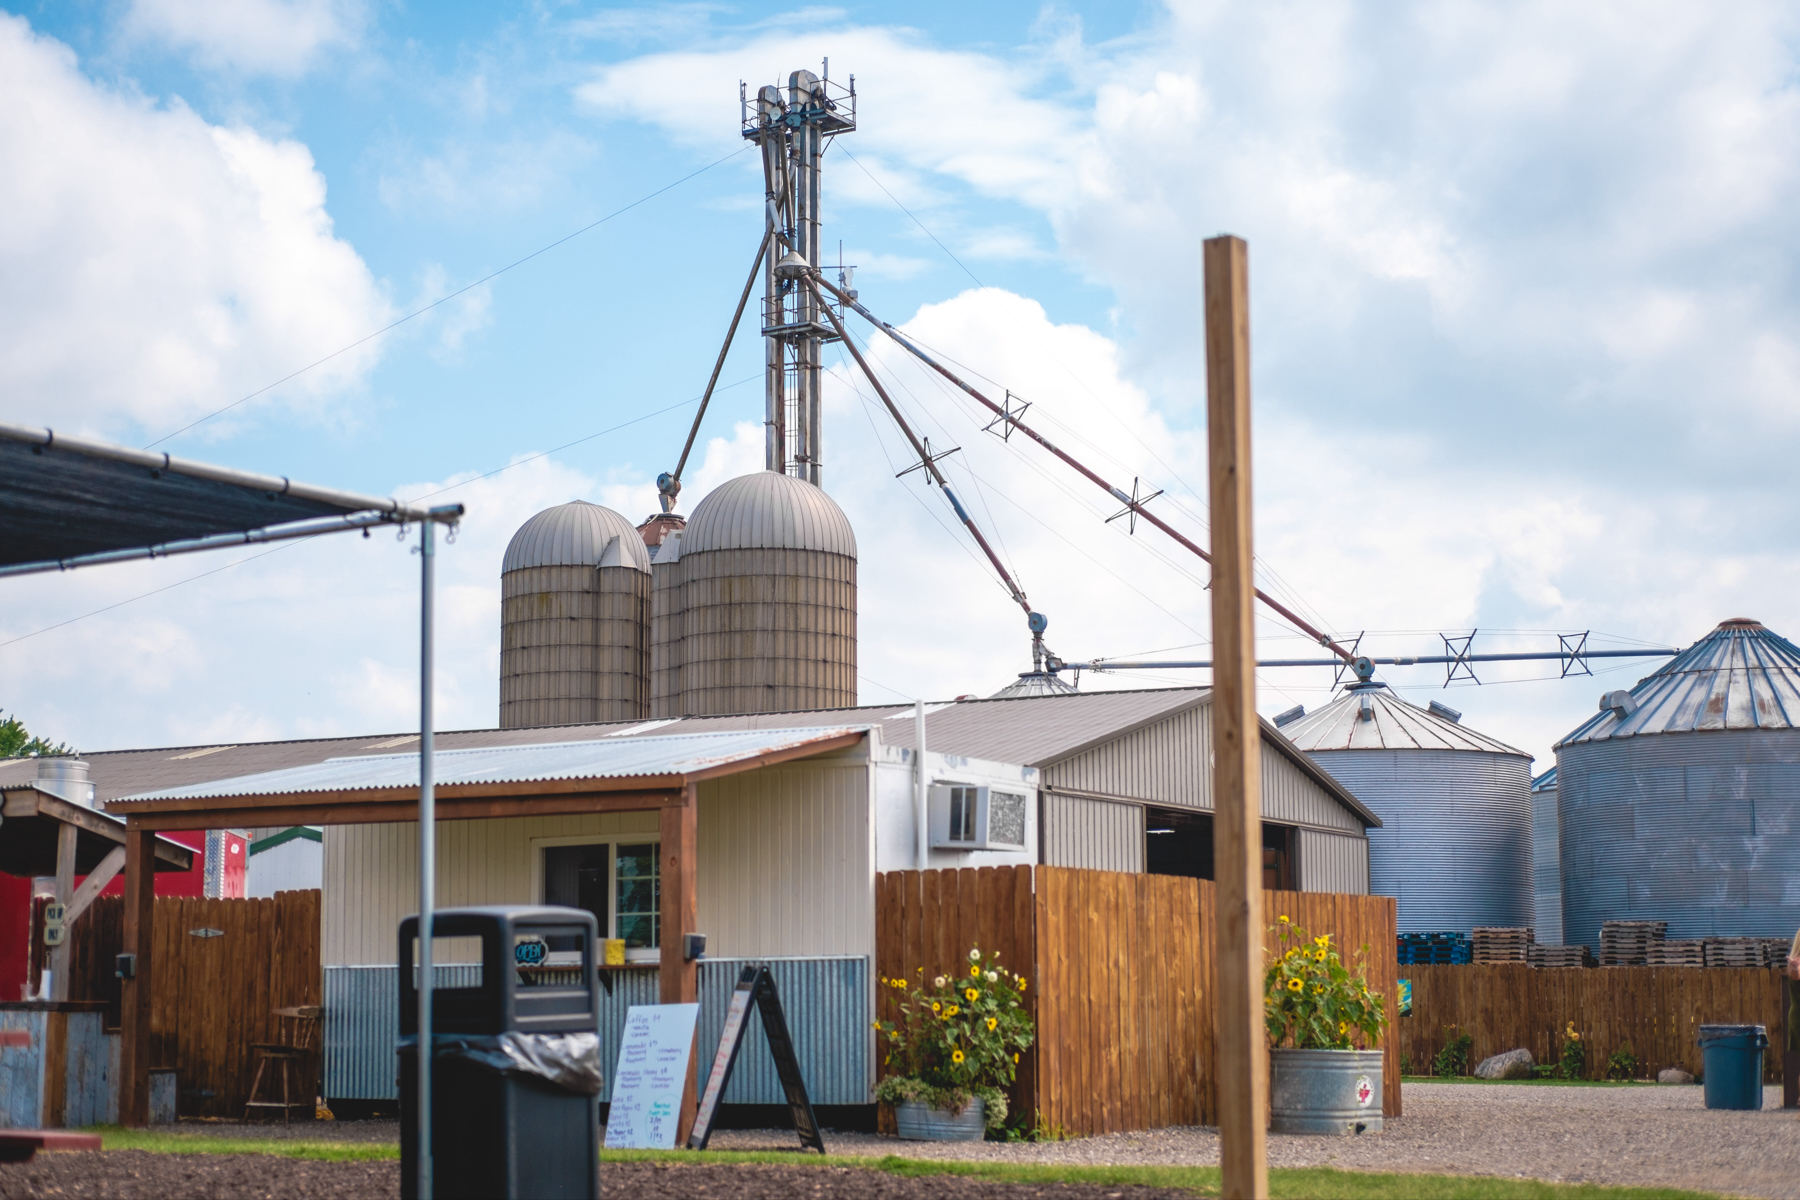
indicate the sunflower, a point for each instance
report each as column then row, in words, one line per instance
column 993, row 1023
column 952, row 1010
column 1021, row 983
column 1323, row 939
column 975, row 972
column 956, row 1056
column 1343, row 1028
column 936, row 1007
column 1318, row 989
column 1282, row 919
column 971, row 995
column 1318, row 956
column 1295, row 986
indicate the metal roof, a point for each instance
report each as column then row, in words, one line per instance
column 600, row 758
column 1739, row 676
column 1034, row 683
column 1368, row 716
column 576, row 534
column 1545, row 782
column 768, row 510
column 63, row 497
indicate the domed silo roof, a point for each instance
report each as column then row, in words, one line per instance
column 1679, row 800
column 1454, row 847
column 1034, row 683
column 768, row 511
column 575, row 534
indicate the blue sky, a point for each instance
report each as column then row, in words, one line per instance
column 1523, row 319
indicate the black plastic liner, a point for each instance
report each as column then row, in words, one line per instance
column 571, row 1061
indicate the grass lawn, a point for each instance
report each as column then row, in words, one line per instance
column 1320, row 1183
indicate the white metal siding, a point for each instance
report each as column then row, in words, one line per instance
column 290, row 867
column 1093, row 833
column 784, row 862
column 1330, row 862
column 372, row 873
column 1170, row 763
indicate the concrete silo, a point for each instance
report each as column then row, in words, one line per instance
column 574, row 620
column 755, row 604
column 1680, row 799
column 1454, row 847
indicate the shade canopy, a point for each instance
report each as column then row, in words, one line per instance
column 64, row 498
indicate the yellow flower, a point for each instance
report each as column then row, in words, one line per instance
column 1318, row 956
column 1295, row 986
column 875, row 1024
column 952, row 1011
column 1291, row 951
column 1021, row 983
column 936, row 1007
column 1343, row 1028
column 1015, row 1058
column 1318, row 989
column 956, row 1056
column 971, row 995
column 993, row 1023
column 1282, row 919
column 975, row 972
column 1323, row 940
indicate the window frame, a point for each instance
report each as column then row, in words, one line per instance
column 612, row 841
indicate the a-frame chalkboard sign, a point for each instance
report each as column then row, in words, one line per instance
column 756, row 986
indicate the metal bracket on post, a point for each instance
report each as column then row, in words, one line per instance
column 1575, row 650
column 1346, row 664
column 1458, row 657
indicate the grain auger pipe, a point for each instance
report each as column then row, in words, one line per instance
column 668, row 484
column 1036, row 620
column 1012, row 420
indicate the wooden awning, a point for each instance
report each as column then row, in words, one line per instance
column 30, row 822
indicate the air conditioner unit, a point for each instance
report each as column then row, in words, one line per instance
column 971, row 817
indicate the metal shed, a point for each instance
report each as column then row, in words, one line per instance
column 1455, row 844
column 1680, row 799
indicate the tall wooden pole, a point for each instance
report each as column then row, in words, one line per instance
column 1243, row 1063
column 678, row 975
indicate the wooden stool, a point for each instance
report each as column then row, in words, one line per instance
column 299, row 1028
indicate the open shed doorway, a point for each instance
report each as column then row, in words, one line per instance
column 1179, row 841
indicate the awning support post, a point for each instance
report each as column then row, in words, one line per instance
column 135, row 992
column 427, row 851
column 678, row 975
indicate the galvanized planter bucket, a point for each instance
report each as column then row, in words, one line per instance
column 920, row 1123
column 1325, row 1091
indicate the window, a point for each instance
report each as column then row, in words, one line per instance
column 962, row 814
column 619, row 883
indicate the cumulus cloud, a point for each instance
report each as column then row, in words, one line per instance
column 274, row 37
column 158, row 266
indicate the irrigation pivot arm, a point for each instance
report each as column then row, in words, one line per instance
column 1132, row 505
column 669, row 486
column 925, row 459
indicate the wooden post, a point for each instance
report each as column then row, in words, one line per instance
column 140, row 924
column 680, row 978
column 1243, row 1065
column 58, row 958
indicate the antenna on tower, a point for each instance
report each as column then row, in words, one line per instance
column 792, row 126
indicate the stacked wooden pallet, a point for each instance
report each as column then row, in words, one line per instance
column 1432, row 948
column 1627, row 943
column 1737, row 952
column 1502, row 944
column 1559, row 956
column 1776, row 951
column 1677, row 952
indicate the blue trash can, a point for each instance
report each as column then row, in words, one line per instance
column 1733, row 1064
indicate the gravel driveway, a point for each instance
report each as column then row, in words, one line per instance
column 1630, row 1135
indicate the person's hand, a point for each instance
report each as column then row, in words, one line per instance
column 1793, row 967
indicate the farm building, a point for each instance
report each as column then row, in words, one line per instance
column 1679, row 800
column 1454, row 846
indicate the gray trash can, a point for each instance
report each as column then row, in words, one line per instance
column 516, row 1070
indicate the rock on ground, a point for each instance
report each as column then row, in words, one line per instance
column 1673, row 1075
column 1514, row 1064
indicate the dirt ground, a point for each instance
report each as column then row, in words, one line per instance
column 662, row 1181
column 143, row 1175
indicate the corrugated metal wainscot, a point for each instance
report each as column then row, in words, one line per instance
column 826, row 1001
column 31, row 1095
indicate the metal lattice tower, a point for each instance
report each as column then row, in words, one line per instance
column 792, row 130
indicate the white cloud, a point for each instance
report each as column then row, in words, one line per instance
column 275, row 37
column 159, row 267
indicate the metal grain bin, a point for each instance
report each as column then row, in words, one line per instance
column 1546, row 861
column 1680, row 799
column 756, row 604
column 574, row 620
column 1454, row 846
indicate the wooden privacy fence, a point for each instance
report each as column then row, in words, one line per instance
column 1121, row 971
column 214, row 992
column 1659, row 1010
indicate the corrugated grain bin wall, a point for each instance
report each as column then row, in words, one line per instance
column 1454, row 847
column 763, row 602
column 1546, row 858
column 1680, row 800
column 665, row 630
column 574, row 620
